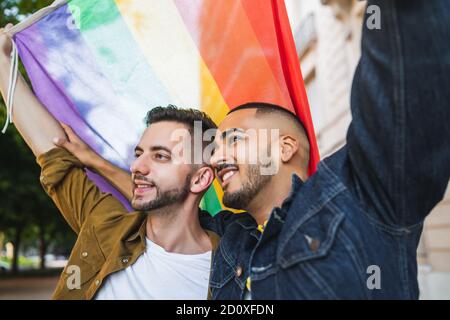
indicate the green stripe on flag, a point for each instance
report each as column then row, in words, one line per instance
column 210, row 202
column 88, row 16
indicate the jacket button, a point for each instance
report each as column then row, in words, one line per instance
column 314, row 245
column 97, row 282
column 84, row 254
column 125, row 260
column 238, row 271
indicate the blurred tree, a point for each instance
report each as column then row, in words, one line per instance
column 16, row 10
column 27, row 215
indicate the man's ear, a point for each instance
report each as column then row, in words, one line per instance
column 202, row 179
column 289, row 147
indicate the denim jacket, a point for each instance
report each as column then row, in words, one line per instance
column 351, row 230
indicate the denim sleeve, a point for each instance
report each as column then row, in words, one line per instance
column 399, row 139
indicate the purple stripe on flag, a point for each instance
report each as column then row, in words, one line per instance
column 33, row 46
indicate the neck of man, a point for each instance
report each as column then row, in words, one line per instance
column 273, row 195
column 177, row 229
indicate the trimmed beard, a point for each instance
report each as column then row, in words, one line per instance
column 241, row 198
column 166, row 198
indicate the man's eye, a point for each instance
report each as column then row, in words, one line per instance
column 137, row 155
column 160, row 156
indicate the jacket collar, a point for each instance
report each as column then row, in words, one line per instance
column 141, row 231
column 249, row 223
column 296, row 185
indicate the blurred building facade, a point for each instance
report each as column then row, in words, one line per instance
column 327, row 35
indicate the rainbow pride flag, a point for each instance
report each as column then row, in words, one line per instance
column 99, row 66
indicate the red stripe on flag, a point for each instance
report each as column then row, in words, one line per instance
column 294, row 78
column 260, row 15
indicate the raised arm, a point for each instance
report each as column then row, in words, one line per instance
column 62, row 176
column 36, row 125
column 119, row 178
column 399, row 139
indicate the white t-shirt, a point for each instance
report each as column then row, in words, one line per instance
column 161, row 275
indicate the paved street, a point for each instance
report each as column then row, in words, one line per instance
column 434, row 285
column 27, row 288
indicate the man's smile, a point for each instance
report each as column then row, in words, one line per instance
column 225, row 172
column 142, row 187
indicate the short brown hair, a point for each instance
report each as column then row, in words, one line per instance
column 180, row 115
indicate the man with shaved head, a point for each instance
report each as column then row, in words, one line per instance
column 251, row 189
column 351, row 230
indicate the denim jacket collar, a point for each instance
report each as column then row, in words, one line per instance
column 296, row 185
column 248, row 222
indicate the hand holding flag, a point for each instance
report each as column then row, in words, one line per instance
column 76, row 146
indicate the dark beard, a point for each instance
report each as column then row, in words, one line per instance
column 255, row 182
column 166, row 198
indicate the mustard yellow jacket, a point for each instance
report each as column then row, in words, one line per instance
column 109, row 237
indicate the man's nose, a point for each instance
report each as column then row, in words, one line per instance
column 219, row 156
column 140, row 166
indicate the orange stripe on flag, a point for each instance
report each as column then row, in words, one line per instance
column 232, row 52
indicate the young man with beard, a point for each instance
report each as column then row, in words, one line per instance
column 160, row 251
column 351, row 230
